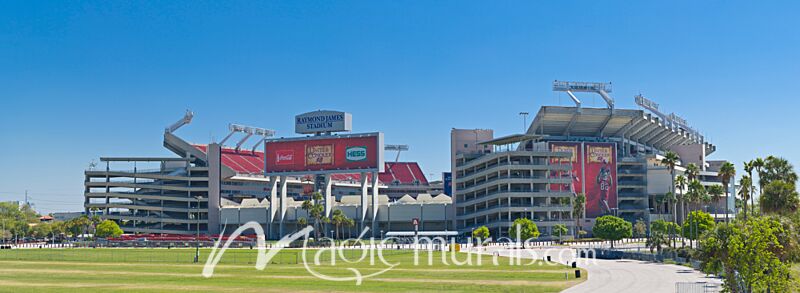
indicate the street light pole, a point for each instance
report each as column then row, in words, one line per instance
column 471, row 234
column 197, row 234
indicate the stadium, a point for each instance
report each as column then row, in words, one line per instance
column 210, row 188
column 609, row 154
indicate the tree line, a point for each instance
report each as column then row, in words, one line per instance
column 754, row 251
column 21, row 222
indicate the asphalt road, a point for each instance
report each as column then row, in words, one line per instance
column 621, row 276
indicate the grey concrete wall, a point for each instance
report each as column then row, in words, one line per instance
column 693, row 153
column 214, row 176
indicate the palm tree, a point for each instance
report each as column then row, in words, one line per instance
column 758, row 165
column 315, row 210
column 338, row 219
column 660, row 200
column 716, row 191
column 349, row 223
column 779, row 197
column 697, row 193
column 561, row 229
column 302, row 222
column 81, row 225
column 776, row 168
column 670, row 160
column 680, row 184
column 749, row 166
column 95, row 219
column 727, row 172
column 656, row 241
column 578, row 206
column 692, row 171
column 745, row 191
column 667, row 200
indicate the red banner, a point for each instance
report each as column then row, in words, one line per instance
column 334, row 154
column 575, row 160
column 600, row 162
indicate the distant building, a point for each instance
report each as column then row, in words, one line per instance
column 66, row 216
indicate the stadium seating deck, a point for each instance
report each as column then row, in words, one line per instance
column 249, row 162
column 241, row 161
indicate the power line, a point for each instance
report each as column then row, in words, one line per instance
column 50, row 201
column 37, row 193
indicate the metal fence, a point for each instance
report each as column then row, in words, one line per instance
column 696, row 287
column 238, row 256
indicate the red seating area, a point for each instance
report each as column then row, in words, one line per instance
column 404, row 173
column 246, row 161
column 242, row 161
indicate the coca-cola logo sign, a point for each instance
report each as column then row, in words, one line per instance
column 284, row 157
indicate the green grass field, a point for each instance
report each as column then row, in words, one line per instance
column 36, row 270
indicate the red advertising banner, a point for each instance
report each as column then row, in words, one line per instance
column 600, row 163
column 575, row 160
column 329, row 154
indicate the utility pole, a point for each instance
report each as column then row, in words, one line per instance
column 197, row 235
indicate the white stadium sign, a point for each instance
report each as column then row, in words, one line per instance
column 323, row 121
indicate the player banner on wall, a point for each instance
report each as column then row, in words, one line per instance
column 575, row 160
column 600, row 173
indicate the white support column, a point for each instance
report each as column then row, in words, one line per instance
column 329, row 199
column 273, row 206
column 374, row 205
column 273, row 198
column 363, row 207
column 374, row 194
column 284, row 185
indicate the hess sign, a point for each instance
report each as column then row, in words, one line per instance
column 323, row 121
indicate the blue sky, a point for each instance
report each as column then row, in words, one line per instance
column 81, row 80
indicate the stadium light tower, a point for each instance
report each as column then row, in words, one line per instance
column 571, row 87
column 524, row 120
column 249, row 131
column 264, row 133
column 187, row 118
column 233, row 128
column 396, row 147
